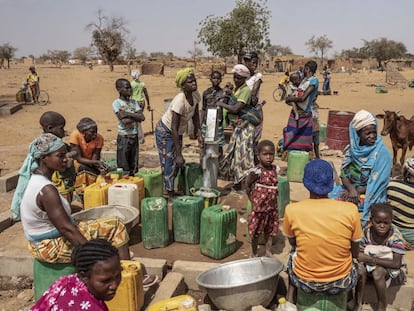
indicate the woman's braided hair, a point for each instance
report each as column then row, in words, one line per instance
column 86, row 255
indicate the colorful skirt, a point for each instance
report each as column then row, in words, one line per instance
column 298, row 133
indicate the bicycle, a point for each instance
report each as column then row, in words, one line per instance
column 25, row 95
column 279, row 93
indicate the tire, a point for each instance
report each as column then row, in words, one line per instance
column 43, row 98
column 277, row 94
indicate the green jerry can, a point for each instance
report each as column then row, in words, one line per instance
column 186, row 215
column 46, row 273
column 297, row 161
column 193, row 176
column 283, row 195
column 218, row 231
column 154, row 222
column 152, row 182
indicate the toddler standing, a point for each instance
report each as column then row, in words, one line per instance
column 261, row 188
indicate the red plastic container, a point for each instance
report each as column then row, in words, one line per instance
column 337, row 132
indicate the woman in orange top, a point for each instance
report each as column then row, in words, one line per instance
column 88, row 145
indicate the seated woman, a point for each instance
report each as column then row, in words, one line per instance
column 50, row 230
column 400, row 195
column 97, row 277
column 366, row 170
column 87, row 144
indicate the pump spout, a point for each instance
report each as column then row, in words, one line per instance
column 210, row 166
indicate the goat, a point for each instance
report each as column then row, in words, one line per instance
column 401, row 132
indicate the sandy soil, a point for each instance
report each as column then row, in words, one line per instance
column 76, row 92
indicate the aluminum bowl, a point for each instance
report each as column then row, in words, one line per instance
column 129, row 215
column 241, row 284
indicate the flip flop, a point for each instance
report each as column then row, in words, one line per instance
column 149, row 280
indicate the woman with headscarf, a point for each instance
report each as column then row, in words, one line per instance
column 87, row 143
column 366, row 170
column 174, row 123
column 50, row 230
column 239, row 156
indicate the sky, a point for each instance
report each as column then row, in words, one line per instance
column 35, row 26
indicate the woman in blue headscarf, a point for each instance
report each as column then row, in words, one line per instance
column 366, row 170
column 47, row 224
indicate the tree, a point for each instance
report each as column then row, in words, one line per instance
column 58, row 57
column 6, row 53
column 278, row 50
column 108, row 37
column 383, row 49
column 83, row 54
column 244, row 29
column 319, row 45
column 195, row 52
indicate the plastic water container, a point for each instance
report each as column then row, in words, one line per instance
column 123, row 194
column 152, row 182
column 209, row 195
column 45, row 274
column 140, row 184
column 296, row 165
column 193, row 176
column 96, row 194
column 186, row 215
column 177, row 303
column 130, row 293
column 218, row 231
column 283, row 195
column 154, row 222
column 321, row 302
column 322, row 132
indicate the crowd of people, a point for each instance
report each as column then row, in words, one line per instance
column 340, row 236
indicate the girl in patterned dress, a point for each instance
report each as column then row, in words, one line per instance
column 261, row 188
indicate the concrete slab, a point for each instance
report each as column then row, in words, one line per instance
column 10, row 108
column 153, row 266
column 172, row 285
column 400, row 297
column 5, row 220
column 190, row 270
column 9, row 181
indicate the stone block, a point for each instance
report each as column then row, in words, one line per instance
column 10, row 108
column 9, row 181
column 190, row 270
column 5, row 220
column 172, row 285
column 153, row 266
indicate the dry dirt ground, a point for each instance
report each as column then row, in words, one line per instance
column 76, row 92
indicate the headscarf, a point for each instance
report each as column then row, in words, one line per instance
column 241, row 70
column 375, row 157
column 250, row 56
column 85, row 124
column 318, row 177
column 182, row 75
column 135, row 74
column 43, row 145
column 362, row 119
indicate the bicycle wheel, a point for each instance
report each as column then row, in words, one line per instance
column 277, row 94
column 43, row 98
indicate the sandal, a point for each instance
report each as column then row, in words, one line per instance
column 149, row 280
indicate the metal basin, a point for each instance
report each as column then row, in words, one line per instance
column 129, row 215
column 241, row 284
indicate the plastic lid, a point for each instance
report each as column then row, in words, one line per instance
column 282, row 300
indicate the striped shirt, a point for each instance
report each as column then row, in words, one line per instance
column 400, row 195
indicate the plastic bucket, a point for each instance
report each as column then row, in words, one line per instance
column 337, row 132
column 296, row 165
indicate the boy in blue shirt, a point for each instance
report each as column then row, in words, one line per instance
column 128, row 113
